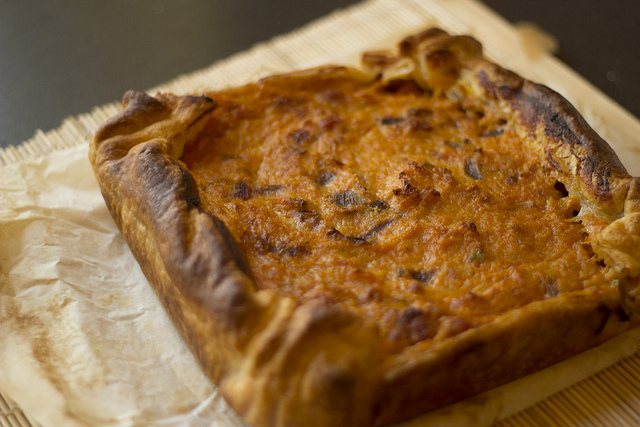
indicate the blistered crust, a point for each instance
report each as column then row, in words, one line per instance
column 279, row 363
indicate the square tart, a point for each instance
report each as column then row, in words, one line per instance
column 344, row 246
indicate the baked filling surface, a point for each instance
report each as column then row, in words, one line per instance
column 424, row 212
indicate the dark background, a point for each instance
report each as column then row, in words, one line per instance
column 63, row 57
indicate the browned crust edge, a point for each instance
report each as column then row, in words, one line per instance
column 282, row 364
column 275, row 362
column 568, row 142
column 570, row 145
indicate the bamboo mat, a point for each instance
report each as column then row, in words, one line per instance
column 610, row 397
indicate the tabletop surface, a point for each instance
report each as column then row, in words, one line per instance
column 63, row 57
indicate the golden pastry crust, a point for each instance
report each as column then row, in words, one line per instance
column 282, row 360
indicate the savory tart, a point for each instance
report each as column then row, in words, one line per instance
column 356, row 247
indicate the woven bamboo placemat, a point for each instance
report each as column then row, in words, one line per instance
column 610, row 397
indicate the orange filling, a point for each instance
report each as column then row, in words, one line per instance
column 424, row 213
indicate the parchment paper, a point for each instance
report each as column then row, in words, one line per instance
column 83, row 338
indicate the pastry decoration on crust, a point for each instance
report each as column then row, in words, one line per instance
column 357, row 247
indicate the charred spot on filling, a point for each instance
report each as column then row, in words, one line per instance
column 296, row 203
column 511, row 179
column 241, row 191
column 391, row 121
column 324, row 178
column 473, row 112
column 308, row 217
column 420, row 112
column 561, row 189
column 379, row 206
column 266, row 189
column 346, row 199
column 330, row 123
column 334, row 234
column 406, row 190
column 357, row 240
column 588, row 249
column 413, row 325
column 300, row 136
column 378, row 228
column 472, row 169
column 266, row 243
column 423, row 276
column 451, row 144
column 418, row 119
column 402, row 87
column 285, row 102
column 492, row 133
